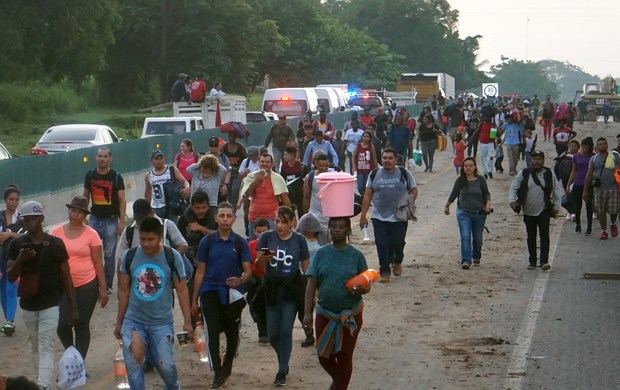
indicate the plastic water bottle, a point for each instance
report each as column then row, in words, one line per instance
column 365, row 233
column 120, row 371
column 200, row 345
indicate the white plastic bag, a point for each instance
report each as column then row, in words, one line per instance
column 71, row 371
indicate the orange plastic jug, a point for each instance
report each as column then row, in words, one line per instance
column 363, row 280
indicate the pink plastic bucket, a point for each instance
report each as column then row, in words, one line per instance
column 337, row 190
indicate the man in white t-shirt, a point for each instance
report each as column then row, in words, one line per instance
column 216, row 91
column 352, row 138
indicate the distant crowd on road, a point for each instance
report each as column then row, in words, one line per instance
column 290, row 261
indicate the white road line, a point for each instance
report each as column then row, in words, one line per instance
column 518, row 360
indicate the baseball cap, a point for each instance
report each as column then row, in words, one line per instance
column 31, row 208
column 141, row 209
column 156, row 153
column 214, row 141
column 182, row 75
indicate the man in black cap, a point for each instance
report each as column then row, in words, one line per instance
column 538, row 193
column 214, row 149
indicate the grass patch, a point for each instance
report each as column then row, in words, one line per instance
column 254, row 101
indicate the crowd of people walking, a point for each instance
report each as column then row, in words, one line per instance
column 290, row 259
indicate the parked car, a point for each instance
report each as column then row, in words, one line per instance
column 260, row 116
column 4, row 153
column 171, row 125
column 63, row 138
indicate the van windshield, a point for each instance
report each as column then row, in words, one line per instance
column 366, row 102
column 286, row 107
column 163, row 128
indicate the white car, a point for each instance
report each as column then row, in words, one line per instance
column 63, row 138
column 4, row 153
column 171, row 125
column 260, row 116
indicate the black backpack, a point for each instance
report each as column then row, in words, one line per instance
column 131, row 253
column 172, row 193
column 404, row 178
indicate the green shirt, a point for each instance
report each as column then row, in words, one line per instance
column 333, row 267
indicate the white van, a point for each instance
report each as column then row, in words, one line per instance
column 171, row 125
column 290, row 101
column 342, row 91
column 328, row 99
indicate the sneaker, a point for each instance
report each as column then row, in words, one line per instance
column 109, row 290
column 397, row 269
column 588, row 231
column 490, row 175
column 308, row 342
column 476, row 262
column 385, row 278
column 264, row 340
column 218, row 382
column 545, row 266
column 531, row 266
column 280, row 379
column 8, row 328
column 578, row 229
column 604, row 235
column 614, row 230
column 465, row 265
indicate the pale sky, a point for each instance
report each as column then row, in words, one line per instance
column 584, row 33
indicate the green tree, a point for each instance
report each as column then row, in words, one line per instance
column 55, row 39
column 524, row 78
column 569, row 78
column 424, row 32
column 224, row 39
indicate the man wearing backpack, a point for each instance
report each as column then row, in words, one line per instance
column 130, row 238
column 145, row 323
column 601, row 177
column 156, row 178
column 386, row 187
column 538, row 193
column 224, row 266
column 106, row 189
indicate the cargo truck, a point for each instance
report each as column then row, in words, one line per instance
column 426, row 85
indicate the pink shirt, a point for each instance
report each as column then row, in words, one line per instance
column 184, row 161
column 81, row 264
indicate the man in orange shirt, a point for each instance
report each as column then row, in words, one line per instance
column 266, row 190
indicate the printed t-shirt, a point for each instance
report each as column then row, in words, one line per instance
column 365, row 159
column 198, row 90
column 236, row 157
column 561, row 135
column 294, row 179
column 333, row 267
column 81, row 264
column 104, row 192
column 51, row 253
column 388, row 188
column 288, row 253
column 150, row 296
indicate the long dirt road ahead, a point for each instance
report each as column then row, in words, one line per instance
column 435, row 327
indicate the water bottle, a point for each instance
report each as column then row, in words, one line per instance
column 120, row 371
column 365, row 233
column 200, row 345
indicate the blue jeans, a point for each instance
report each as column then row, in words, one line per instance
column 8, row 292
column 390, row 243
column 106, row 228
column 362, row 178
column 471, row 226
column 158, row 340
column 280, row 321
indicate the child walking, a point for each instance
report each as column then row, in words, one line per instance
column 459, row 152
